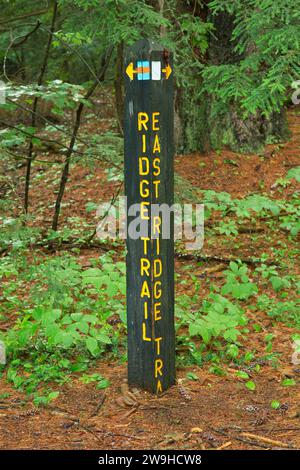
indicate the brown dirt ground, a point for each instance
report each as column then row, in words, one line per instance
column 209, row 413
column 203, row 414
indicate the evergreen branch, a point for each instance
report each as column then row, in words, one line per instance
column 25, row 15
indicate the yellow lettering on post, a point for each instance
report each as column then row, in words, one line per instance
column 157, row 267
column 159, row 387
column 157, row 341
column 145, row 267
column 145, row 240
column 156, row 184
column 145, row 338
column 158, row 367
column 144, row 143
column 145, row 292
column 155, row 121
column 143, row 118
column 144, row 167
column 156, row 146
column 157, row 312
column 157, row 246
column 144, row 210
column 156, row 224
column 156, row 166
column 144, row 192
column 157, row 290
column 145, row 310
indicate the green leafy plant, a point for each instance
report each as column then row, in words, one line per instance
column 220, row 318
column 294, row 173
column 287, row 312
column 51, row 334
column 251, row 385
column 288, row 383
column 275, row 404
column 101, row 381
column 227, row 228
column 192, row 376
column 242, row 375
column 238, row 284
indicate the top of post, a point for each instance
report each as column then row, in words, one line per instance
column 144, row 45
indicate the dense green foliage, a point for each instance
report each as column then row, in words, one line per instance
column 266, row 35
column 72, row 315
column 265, row 38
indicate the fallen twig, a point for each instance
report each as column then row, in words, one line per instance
column 240, row 229
column 224, row 446
column 267, row 440
column 101, row 402
column 240, row 439
column 195, row 257
column 77, row 422
column 113, row 200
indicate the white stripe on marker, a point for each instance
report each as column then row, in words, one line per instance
column 156, row 70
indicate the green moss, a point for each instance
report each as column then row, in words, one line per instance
column 207, row 124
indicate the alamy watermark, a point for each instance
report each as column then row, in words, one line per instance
column 141, row 221
column 2, row 353
column 296, row 94
column 296, row 353
column 2, row 92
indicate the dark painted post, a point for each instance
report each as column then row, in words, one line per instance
column 149, row 179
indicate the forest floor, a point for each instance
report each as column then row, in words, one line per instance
column 209, row 407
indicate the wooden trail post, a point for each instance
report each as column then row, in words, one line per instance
column 149, row 179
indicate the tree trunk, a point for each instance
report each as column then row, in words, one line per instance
column 230, row 128
column 35, row 105
column 204, row 125
column 66, row 169
column 118, row 85
column 191, row 133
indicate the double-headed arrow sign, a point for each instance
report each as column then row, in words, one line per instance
column 143, row 70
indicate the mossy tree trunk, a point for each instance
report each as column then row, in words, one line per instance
column 205, row 124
